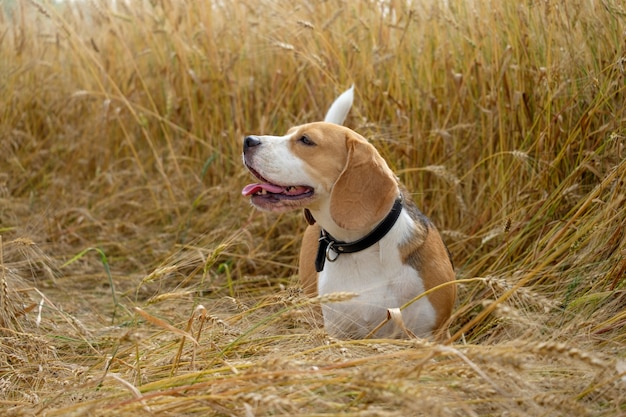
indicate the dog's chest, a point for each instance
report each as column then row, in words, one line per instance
column 371, row 274
column 382, row 281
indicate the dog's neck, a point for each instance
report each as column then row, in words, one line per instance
column 330, row 247
column 323, row 218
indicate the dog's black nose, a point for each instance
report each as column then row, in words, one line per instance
column 251, row 142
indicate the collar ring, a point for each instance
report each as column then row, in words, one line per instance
column 330, row 248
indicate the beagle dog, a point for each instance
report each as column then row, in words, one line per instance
column 365, row 235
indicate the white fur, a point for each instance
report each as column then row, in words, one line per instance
column 341, row 106
column 279, row 165
column 382, row 281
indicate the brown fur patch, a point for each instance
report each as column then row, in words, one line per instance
column 308, row 252
column 366, row 189
column 427, row 253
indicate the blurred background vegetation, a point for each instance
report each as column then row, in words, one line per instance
column 120, row 174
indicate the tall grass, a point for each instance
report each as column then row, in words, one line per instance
column 120, row 131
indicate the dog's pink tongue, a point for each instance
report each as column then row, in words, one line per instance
column 255, row 188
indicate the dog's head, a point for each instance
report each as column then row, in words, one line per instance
column 329, row 169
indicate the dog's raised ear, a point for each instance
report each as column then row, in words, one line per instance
column 338, row 111
column 366, row 188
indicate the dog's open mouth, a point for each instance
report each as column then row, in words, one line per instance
column 274, row 192
column 277, row 191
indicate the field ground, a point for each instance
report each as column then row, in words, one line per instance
column 137, row 281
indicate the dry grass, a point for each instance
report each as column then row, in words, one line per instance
column 135, row 280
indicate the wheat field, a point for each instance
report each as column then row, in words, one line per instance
column 136, row 280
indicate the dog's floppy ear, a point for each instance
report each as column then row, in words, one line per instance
column 366, row 188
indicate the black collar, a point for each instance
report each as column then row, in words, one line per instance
column 329, row 244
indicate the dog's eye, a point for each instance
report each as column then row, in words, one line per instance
column 306, row 140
